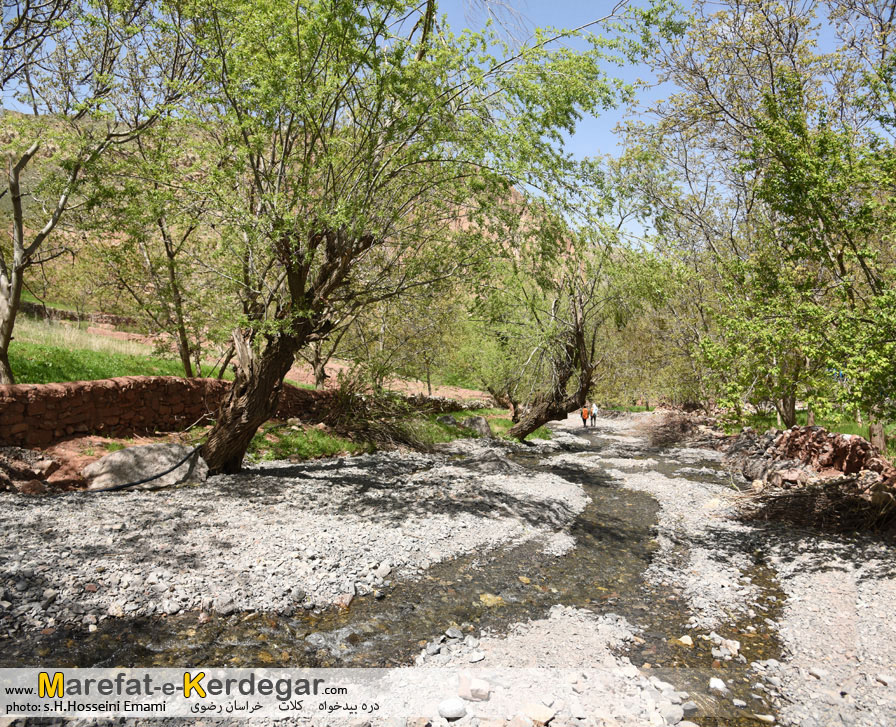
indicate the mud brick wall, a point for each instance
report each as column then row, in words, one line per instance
column 37, row 415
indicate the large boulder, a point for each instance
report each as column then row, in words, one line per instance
column 478, row 425
column 137, row 463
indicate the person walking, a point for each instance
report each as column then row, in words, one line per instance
column 584, row 414
column 593, row 414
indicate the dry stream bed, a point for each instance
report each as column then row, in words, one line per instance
column 592, row 551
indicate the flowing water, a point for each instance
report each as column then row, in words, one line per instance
column 615, row 542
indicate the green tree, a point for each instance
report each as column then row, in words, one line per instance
column 355, row 147
column 90, row 76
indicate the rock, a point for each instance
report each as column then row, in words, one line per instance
column 447, row 420
column 672, row 713
column 738, row 703
column 224, row 606
column 383, row 570
column 731, row 645
column 24, row 470
column 686, row 640
column 452, row 709
column 476, row 656
column 718, row 685
column 491, row 600
column 767, row 718
column 344, row 600
column 538, row 713
column 520, row 720
column 30, row 487
column 478, row 425
column 418, row 722
column 454, row 633
column 818, row 673
column 473, row 689
column 689, row 707
column 433, row 648
column 137, row 463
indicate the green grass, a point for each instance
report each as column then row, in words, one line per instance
column 431, row 431
column 627, row 408
column 281, row 441
column 298, row 384
column 35, row 363
column 29, row 298
column 500, row 426
column 44, row 352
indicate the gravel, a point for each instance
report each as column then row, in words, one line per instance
column 836, row 625
column 566, row 662
column 312, row 532
column 273, row 538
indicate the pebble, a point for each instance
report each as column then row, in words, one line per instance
column 718, row 685
column 538, row 713
column 452, row 708
column 473, row 689
column 672, row 713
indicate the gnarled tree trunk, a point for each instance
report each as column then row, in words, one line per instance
column 548, row 407
column 252, row 400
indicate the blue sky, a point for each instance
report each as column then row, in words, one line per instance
column 594, row 135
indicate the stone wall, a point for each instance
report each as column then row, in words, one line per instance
column 37, row 310
column 36, row 415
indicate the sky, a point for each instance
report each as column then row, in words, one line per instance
column 594, row 136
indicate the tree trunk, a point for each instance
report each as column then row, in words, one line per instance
column 252, row 400
column 877, row 436
column 177, row 303
column 320, row 374
column 543, row 411
column 787, row 410
column 6, row 376
column 10, row 298
column 225, row 363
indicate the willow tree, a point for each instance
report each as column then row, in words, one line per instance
column 365, row 145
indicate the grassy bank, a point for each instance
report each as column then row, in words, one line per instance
column 283, row 441
column 431, row 431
